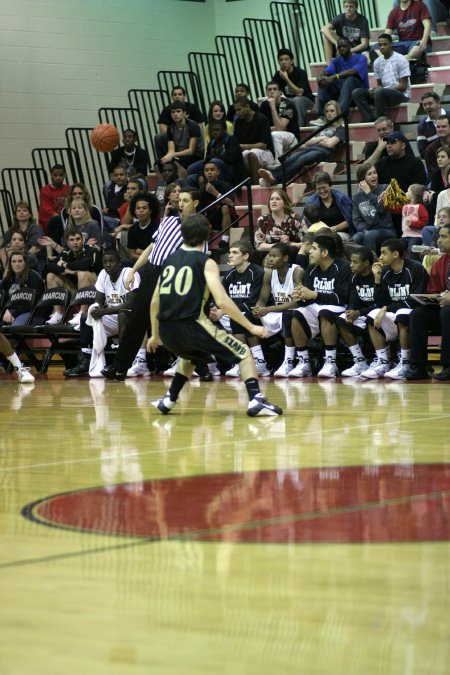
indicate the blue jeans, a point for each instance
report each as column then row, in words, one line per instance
column 373, row 238
column 298, row 160
column 340, row 90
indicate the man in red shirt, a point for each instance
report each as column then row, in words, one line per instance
column 412, row 21
column 52, row 197
column 434, row 319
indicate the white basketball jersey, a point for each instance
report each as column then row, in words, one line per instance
column 115, row 291
column 282, row 292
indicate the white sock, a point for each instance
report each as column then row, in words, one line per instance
column 382, row 354
column 405, row 355
column 142, row 356
column 15, row 361
column 303, row 354
column 330, row 354
column 357, row 353
column 289, row 353
column 257, row 352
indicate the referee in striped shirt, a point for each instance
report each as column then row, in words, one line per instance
column 166, row 240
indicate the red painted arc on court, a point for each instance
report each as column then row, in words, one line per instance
column 384, row 503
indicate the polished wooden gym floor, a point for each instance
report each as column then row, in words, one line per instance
column 206, row 542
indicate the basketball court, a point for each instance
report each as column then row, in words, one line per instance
column 210, row 542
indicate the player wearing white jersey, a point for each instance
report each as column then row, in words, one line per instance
column 111, row 307
column 279, row 282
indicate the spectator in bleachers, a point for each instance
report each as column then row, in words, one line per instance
column 58, row 224
column 294, row 84
column 241, row 90
column 396, row 278
column 280, row 279
column 280, row 224
column 439, row 177
column 165, row 119
column 337, row 81
column 371, row 219
column 52, row 197
column 443, row 139
column 113, row 303
column 144, row 209
column 252, row 130
column 434, row 319
column 15, row 243
column 210, row 188
column 412, row 22
column 167, row 174
column 243, row 284
column 216, row 112
column 134, row 187
column 316, row 149
column 392, row 72
column 439, row 11
column 131, row 157
column 114, row 194
column 172, row 200
column 401, row 166
column 414, row 217
column 23, row 222
column 353, row 322
column 335, row 207
column 443, row 197
column 351, row 25
column 18, row 274
column 73, row 268
column 426, row 129
column 322, row 296
column 223, row 150
column 375, row 150
column 311, row 219
column 183, row 139
column 282, row 118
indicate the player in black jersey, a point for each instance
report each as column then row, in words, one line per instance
column 352, row 323
column 396, row 279
column 178, row 319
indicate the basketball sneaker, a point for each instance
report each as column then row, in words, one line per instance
column 285, row 368
column 302, row 369
column 356, row 369
column 164, row 405
column 54, row 319
column 75, row 320
column 234, row 371
column 24, row 376
column 378, row 368
column 329, row 368
column 400, row 371
column 170, row 372
column 261, row 368
column 260, row 407
column 138, row 369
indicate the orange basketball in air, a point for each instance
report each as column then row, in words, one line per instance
column 104, row 137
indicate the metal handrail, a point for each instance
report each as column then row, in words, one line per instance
column 246, row 181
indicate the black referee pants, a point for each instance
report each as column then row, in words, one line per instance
column 423, row 321
column 138, row 322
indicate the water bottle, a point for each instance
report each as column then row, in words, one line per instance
column 419, row 248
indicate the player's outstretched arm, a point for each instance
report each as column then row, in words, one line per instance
column 225, row 303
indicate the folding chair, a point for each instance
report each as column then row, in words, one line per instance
column 30, row 339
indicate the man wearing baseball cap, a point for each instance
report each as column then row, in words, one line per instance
column 406, row 168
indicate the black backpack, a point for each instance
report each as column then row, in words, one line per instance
column 419, row 71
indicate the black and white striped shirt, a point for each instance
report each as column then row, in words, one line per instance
column 167, row 239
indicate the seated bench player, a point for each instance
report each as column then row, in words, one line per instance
column 322, row 297
column 178, row 320
column 352, row 323
column 280, row 279
column 110, row 307
column 243, row 284
column 396, row 278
